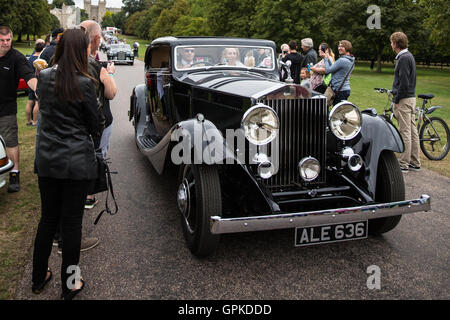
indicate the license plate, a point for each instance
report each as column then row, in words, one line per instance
column 307, row 236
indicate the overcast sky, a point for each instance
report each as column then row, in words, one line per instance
column 109, row 3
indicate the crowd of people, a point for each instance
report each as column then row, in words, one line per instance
column 306, row 70
column 73, row 119
column 331, row 76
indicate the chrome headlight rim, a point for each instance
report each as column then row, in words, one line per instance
column 273, row 134
column 336, row 109
column 301, row 167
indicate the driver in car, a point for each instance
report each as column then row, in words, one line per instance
column 187, row 58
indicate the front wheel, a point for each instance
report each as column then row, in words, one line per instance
column 199, row 197
column 390, row 188
column 434, row 138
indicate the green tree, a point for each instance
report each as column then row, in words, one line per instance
column 285, row 20
column 131, row 22
column 119, row 19
column 230, row 17
column 438, row 21
column 191, row 26
column 58, row 3
column 150, row 16
column 349, row 21
column 107, row 20
column 132, row 6
column 164, row 25
column 83, row 15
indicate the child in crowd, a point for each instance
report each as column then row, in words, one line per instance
column 304, row 76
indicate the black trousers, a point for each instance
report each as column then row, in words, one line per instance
column 62, row 201
column 340, row 96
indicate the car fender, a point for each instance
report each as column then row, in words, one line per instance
column 138, row 101
column 205, row 144
column 377, row 135
column 201, row 143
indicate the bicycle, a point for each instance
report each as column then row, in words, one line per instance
column 433, row 131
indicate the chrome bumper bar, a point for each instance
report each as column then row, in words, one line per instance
column 7, row 167
column 331, row 216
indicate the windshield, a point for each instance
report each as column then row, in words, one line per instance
column 191, row 57
column 120, row 47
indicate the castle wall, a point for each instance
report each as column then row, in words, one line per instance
column 96, row 12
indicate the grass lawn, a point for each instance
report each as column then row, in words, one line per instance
column 429, row 80
column 20, row 212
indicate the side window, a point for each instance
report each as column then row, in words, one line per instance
column 160, row 57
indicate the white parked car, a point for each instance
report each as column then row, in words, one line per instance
column 5, row 164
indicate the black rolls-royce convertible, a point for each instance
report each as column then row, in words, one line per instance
column 258, row 154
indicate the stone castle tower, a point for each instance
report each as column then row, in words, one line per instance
column 68, row 16
column 96, row 12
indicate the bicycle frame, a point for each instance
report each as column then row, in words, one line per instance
column 425, row 124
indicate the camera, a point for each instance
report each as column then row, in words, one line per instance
column 104, row 64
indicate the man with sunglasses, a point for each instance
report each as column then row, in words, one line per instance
column 49, row 52
column 187, row 58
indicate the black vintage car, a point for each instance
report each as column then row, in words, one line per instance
column 257, row 154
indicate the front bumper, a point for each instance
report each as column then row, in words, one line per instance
column 3, row 172
column 117, row 61
column 312, row 218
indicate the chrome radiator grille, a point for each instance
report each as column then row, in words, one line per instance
column 121, row 56
column 303, row 124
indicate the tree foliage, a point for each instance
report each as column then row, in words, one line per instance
column 58, row 3
column 132, row 6
column 31, row 17
column 107, row 20
column 426, row 22
column 438, row 21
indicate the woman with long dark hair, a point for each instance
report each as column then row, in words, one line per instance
column 65, row 158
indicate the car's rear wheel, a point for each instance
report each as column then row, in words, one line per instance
column 390, row 187
column 199, row 197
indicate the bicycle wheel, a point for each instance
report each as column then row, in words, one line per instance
column 434, row 138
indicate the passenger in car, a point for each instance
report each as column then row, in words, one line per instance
column 230, row 56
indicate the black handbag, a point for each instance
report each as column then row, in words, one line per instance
column 101, row 183
column 104, row 183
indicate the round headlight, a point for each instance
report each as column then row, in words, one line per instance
column 260, row 124
column 309, row 168
column 345, row 120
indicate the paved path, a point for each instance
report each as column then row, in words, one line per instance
column 142, row 254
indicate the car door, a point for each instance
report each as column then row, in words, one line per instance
column 158, row 79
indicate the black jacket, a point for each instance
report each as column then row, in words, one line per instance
column 64, row 145
column 404, row 85
column 48, row 52
column 297, row 60
column 310, row 57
